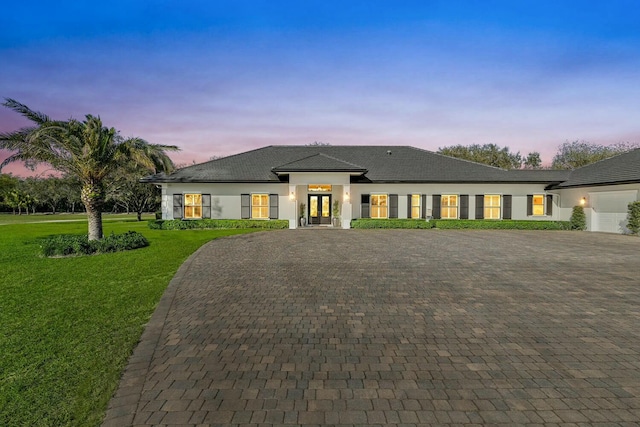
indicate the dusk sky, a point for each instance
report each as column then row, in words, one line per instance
column 222, row 77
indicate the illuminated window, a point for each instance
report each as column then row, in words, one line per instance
column 538, row 204
column 449, row 207
column 415, row 206
column 260, row 206
column 323, row 188
column 379, row 206
column 193, row 206
column 492, row 206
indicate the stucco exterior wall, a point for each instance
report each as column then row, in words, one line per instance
column 518, row 192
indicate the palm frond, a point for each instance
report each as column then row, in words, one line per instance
column 35, row 116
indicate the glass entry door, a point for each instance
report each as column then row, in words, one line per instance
column 319, row 209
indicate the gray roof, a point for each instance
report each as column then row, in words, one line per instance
column 370, row 163
column 620, row 169
column 319, row 162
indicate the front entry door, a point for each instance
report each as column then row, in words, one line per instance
column 319, row 209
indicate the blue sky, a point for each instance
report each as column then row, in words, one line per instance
column 221, row 77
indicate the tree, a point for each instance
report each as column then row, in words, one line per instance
column 126, row 190
column 633, row 222
column 572, row 155
column 7, row 183
column 532, row 161
column 84, row 149
column 488, row 154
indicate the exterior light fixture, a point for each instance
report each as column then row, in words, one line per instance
column 292, row 196
column 346, row 196
column 583, row 201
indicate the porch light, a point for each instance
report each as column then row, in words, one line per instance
column 346, row 196
column 583, row 201
column 292, row 196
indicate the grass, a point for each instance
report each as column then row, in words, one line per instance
column 68, row 325
column 8, row 218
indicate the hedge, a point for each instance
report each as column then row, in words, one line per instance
column 68, row 245
column 391, row 223
column 479, row 224
column 178, row 224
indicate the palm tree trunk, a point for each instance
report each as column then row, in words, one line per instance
column 92, row 196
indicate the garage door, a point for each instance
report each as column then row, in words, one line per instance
column 610, row 210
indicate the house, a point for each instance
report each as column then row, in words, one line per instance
column 392, row 182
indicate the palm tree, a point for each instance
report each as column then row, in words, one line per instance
column 85, row 149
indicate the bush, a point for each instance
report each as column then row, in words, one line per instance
column 67, row 245
column 633, row 223
column 578, row 218
column 367, row 223
column 179, row 224
column 505, row 224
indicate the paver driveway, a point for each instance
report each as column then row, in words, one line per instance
column 382, row 327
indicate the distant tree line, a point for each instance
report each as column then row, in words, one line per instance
column 570, row 155
column 54, row 194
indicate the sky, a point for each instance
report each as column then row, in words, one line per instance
column 221, row 77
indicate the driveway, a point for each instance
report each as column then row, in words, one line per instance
column 386, row 327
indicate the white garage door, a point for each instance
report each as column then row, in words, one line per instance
column 610, row 210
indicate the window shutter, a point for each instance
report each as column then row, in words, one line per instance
column 177, row 206
column 408, row 205
column 423, row 206
column 549, row 204
column 464, row 206
column 245, row 206
column 393, row 206
column 479, row 206
column 506, row 206
column 435, row 213
column 206, row 206
column 364, row 206
column 273, row 206
column 530, row 204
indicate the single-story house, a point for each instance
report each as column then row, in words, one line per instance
column 351, row 182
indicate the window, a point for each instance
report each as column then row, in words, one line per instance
column 319, row 188
column 538, row 204
column 415, row 206
column 379, row 203
column 449, row 207
column 492, row 206
column 260, row 206
column 193, row 206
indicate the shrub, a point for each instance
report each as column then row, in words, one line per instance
column 363, row 223
column 506, row 224
column 633, row 223
column 66, row 245
column 578, row 218
column 179, row 224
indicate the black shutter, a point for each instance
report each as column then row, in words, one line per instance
column 393, row 206
column 506, row 206
column 364, row 206
column 549, row 204
column 423, row 206
column 464, row 206
column 479, row 206
column 435, row 213
column 409, row 199
column 529, row 204
column 245, row 206
column 273, row 206
column 206, row 206
column 177, row 206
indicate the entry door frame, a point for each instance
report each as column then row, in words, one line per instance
column 320, row 219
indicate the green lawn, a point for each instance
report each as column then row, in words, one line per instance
column 8, row 218
column 68, row 325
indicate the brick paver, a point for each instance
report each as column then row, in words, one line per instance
column 385, row 327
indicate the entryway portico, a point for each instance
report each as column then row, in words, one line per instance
column 320, row 182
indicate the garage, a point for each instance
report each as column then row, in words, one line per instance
column 609, row 210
